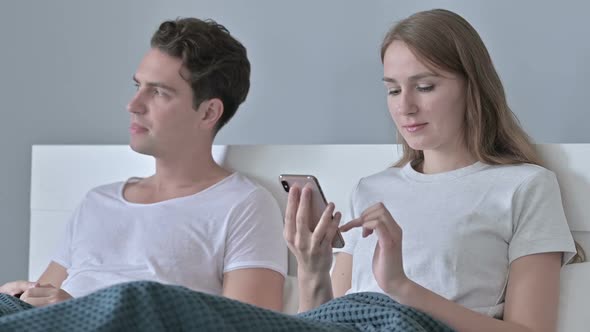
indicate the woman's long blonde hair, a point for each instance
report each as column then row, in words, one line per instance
column 445, row 40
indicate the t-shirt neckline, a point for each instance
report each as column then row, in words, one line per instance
column 202, row 192
column 409, row 171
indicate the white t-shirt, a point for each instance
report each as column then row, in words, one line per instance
column 463, row 228
column 190, row 241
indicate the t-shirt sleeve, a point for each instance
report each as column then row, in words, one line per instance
column 255, row 235
column 63, row 253
column 539, row 220
column 351, row 237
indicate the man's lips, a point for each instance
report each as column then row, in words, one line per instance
column 136, row 128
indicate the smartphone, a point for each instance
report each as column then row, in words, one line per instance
column 318, row 201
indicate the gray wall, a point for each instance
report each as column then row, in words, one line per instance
column 66, row 67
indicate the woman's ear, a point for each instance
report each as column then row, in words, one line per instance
column 211, row 112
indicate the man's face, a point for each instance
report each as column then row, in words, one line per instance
column 163, row 120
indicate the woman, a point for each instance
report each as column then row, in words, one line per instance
column 464, row 225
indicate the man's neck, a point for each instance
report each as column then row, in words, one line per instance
column 175, row 177
column 186, row 171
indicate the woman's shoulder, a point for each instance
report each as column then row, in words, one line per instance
column 387, row 175
column 382, row 181
column 517, row 172
column 510, row 177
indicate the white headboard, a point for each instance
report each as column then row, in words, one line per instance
column 62, row 174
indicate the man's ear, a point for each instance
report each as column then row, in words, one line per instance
column 211, row 111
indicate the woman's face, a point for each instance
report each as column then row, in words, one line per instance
column 428, row 107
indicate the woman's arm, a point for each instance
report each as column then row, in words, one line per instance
column 318, row 291
column 314, row 290
column 342, row 274
column 531, row 299
column 313, row 249
column 532, row 294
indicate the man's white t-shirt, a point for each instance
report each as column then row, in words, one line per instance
column 190, row 241
column 462, row 229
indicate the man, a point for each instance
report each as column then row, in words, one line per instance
column 192, row 223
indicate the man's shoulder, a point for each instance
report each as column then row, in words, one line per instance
column 240, row 185
column 245, row 191
column 110, row 189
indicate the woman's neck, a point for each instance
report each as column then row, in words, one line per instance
column 443, row 161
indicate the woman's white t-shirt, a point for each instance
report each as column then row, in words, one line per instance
column 463, row 228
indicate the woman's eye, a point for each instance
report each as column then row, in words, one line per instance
column 393, row 92
column 425, row 88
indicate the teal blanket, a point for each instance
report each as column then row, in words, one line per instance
column 150, row 306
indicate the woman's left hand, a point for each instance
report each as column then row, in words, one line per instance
column 387, row 259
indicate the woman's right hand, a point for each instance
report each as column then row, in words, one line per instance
column 313, row 249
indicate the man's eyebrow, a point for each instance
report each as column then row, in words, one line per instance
column 156, row 85
column 412, row 78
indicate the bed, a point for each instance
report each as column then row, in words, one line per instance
column 62, row 174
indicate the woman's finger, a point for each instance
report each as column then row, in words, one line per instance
column 358, row 222
column 388, row 233
column 373, row 208
column 326, row 219
column 302, row 219
column 382, row 214
column 332, row 229
column 291, row 213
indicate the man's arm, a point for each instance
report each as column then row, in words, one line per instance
column 55, row 275
column 257, row 286
column 47, row 289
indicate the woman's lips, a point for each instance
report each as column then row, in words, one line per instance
column 415, row 127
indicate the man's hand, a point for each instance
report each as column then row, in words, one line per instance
column 16, row 288
column 42, row 295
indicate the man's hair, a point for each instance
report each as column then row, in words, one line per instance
column 215, row 63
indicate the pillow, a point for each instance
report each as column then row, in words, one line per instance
column 574, row 298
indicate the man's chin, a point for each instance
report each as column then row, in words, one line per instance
column 141, row 149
